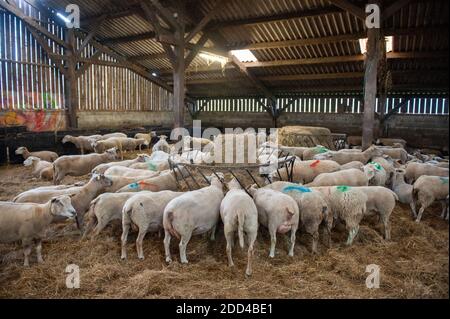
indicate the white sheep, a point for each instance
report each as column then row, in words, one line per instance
column 145, row 210
column 83, row 143
column 27, row 222
column 345, row 156
column 43, row 155
column 403, row 190
column 39, row 168
column 414, row 170
column 305, row 171
column 310, row 152
column 79, row 165
column 130, row 172
column 147, row 137
column 162, row 145
column 375, row 173
column 192, row 213
column 353, row 164
column 349, row 177
column 395, row 153
column 428, row 189
column 101, row 169
column 277, row 212
column 165, row 181
column 239, row 213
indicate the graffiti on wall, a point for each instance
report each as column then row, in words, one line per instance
column 34, row 120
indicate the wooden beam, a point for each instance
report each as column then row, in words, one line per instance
column 94, row 29
column 205, row 20
column 86, row 64
column 350, row 7
column 198, row 46
column 395, row 109
column 165, row 14
column 146, row 57
column 393, row 8
column 308, row 77
column 30, row 22
column 179, row 80
column 151, row 35
column 70, row 81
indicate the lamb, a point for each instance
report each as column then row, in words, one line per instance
column 192, row 213
column 349, row 177
column 162, row 145
column 279, row 213
column 118, row 182
column 313, row 209
column 130, row 172
column 375, row 173
column 310, row 152
column 382, row 201
column 80, row 196
column 388, row 165
column 391, row 142
column 115, row 134
column 40, row 168
column 239, row 213
column 353, row 164
column 103, row 145
column 198, row 143
column 145, row 210
column 403, row 190
column 414, row 170
column 43, row 155
column 305, row 171
column 165, row 181
column 100, row 169
column 84, row 143
column 147, row 137
column 428, row 189
column 343, row 157
column 27, row 222
column 102, row 210
column 79, row 165
column 130, row 144
column 395, row 153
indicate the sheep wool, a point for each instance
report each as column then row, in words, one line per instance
column 301, row 189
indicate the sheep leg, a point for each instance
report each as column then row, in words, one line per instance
column 183, row 244
column 444, row 209
column 125, row 231
column 315, row 239
column 213, row 233
column 292, row 242
column 167, row 238
column 229, row 238
column 421, row 210
column 39, row 251
column 351, row 235
column 413, row 209
column 139, row 240
column 273, row 242
column 387, row 227
column 251, row 238
column 26, row 244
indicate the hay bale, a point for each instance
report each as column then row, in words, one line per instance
column 306, row 136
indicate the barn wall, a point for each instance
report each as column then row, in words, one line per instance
column 418, row 130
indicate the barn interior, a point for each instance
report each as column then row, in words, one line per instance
column 83, row 67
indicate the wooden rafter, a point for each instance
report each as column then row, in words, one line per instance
column 393, row 8
column 350, row 7
column 94, row 59
column 165, row 14
column 198, row 46
column 94, row 29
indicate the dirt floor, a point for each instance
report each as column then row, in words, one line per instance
column 413, row 265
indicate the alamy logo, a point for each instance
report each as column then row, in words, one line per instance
column 373, row 16
column 73, row 19
column 373, row 279
column 73, row 277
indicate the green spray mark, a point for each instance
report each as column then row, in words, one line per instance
column 152, row 166
column 377, row 166
column 444, row 180
column 320, row 149
column 343, row 189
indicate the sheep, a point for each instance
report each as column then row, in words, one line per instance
column 162, row 145
column 103, row 145
column 79, row 165
column 382, row 201
column 313, row 209
column 147, row 137
column 100, row 169
column 130, row 172
column 43, row 155
column 198, row 143
column 305, row 171
column 145, row 210
column 159, row 156
column 130, row 144
column 344, row 156
column 102, row 210
column 165, row 181
column 27, row 222
column 119, row 182
column 391, row 142
column 279, row 213
column 403, row 190
column 387, row 164
column 84, row 143
column 309, row 153
column 80, row 196
column 414, row 170
column 428, row 189
column 347, row 204
column 395, row 153
column 239, row 213
column 40, row 168
column 349, row 177
column 192, row 213
column 156, row 166
column 375, row 173
column 294, row 150
column 115, row 134
column 353, row 164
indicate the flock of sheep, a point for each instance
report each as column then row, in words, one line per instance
column 327, row 187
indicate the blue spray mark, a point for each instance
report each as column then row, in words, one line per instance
column 301, row 189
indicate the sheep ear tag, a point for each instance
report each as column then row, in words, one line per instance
column 314, row 164
column 444, row 180
column 301, row 189
column 343, row 189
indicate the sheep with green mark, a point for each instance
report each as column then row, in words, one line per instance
column 428, row 189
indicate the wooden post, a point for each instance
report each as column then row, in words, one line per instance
column 370, row 86
column 179, row 79
column 70, row 81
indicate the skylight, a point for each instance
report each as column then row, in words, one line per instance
column 389, row 44
column 63, row 17
column 211, row 58
column 244, row 55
